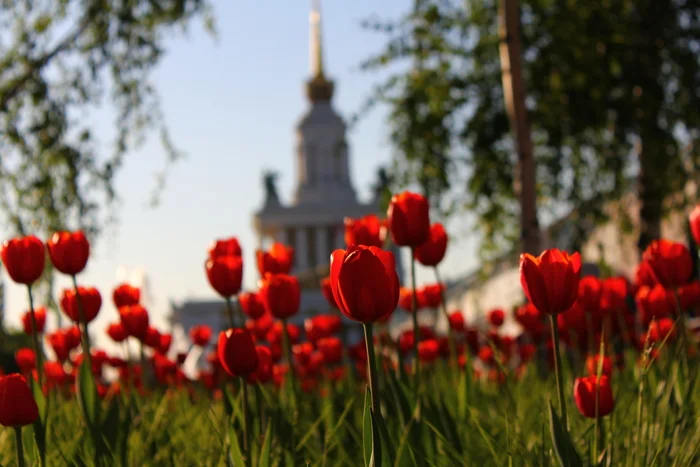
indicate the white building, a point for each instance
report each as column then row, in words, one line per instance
column 324, row 195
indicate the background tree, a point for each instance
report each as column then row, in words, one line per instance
column 59, row 60
column 612, row 96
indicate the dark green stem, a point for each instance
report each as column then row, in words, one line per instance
column 259, row 404
column 558, row 370
column 374, row 392
column 246, row 423
column 38, row 352
column 229, row 313
column 416, row 330
column 84, row 337
column 287, row 348
column 19, row 446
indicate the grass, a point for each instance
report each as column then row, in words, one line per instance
column 457, row 420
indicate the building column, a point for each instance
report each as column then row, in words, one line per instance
column 322, row 257
column 300, row 254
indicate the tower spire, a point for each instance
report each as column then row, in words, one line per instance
column 315, row 44
column 318, row 88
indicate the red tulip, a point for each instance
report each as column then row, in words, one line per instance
column 200, row 335
column 496, row 317
column 24, row 259
column 279, row 260
column 321, row 326
column 117, row 332
column 456, row 319
column 550, row 281
column 689, row 295
column 39, row 315
column 90, row 300
column 487, row 355
column 25, row 359
column 585, row 390
column 17, row 405
column 590, row 290
column 274, row 335
column 331, row 348
column 654, row 302
column 670, row 263
column 428, row 350
column 251, row 304
column 73, row 336
column 592, row 362
column 263, row 373
column 69, row 251
column 259, row 327
column 430, row 296
column 406, row 299
column 327, row 291
column 528, row 317
column 55, row 373
column 166, row 340
column 409, row 219
column 614, row 295
column 126, row 295
column 302, row 352
column 433, row 250
column 152, row 338
column 366, row 231
column 364, row 282
column 59, row 344
column 237, row 352
column 225, row 247
column 662, row 329
column 134, row 318
column 281, row 295
column 225, row 274
column 694, row 221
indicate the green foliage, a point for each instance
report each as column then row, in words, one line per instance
column 611, row 94
column 59, row 61
column 473, row 423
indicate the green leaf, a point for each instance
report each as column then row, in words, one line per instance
column 564, row 447
column 264, row 460
column 39, row 425
column 235, row 457
column 367, row 429
column 87, row 395
column 404, row 456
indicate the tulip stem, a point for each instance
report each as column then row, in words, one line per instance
column 374, row 392
column 85, row 339
column 450, row 334
column 287, row 345
column 416, row 330
column 19, row 446
column 558, row 370
column 246, row 423
column 38, row 352
column 229, row 312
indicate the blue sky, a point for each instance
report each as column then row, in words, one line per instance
column 231, row 104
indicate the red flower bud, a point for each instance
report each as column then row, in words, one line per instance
column 39, row 315
column 225, row 274
column 236, row 352
column 366, row 231
column 550, row 281
column 25, row 359
column 263, row 373
column 279, row 260
column 69, row 251
column 200, row 335
column 251, row 304
column 364, row 282
column 669, row 263
column 90, row 301
column 409, row 219
column 585, row 390
column 24, row 259
column 116, row 332
column 432, row 251
column 496, row 317
column 331, row 348
column 135, row 320
column 126, row 295
column 17, row 405
column 280, row 294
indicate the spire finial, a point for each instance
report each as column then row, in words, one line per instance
column 316, row 50
column 318, row 88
